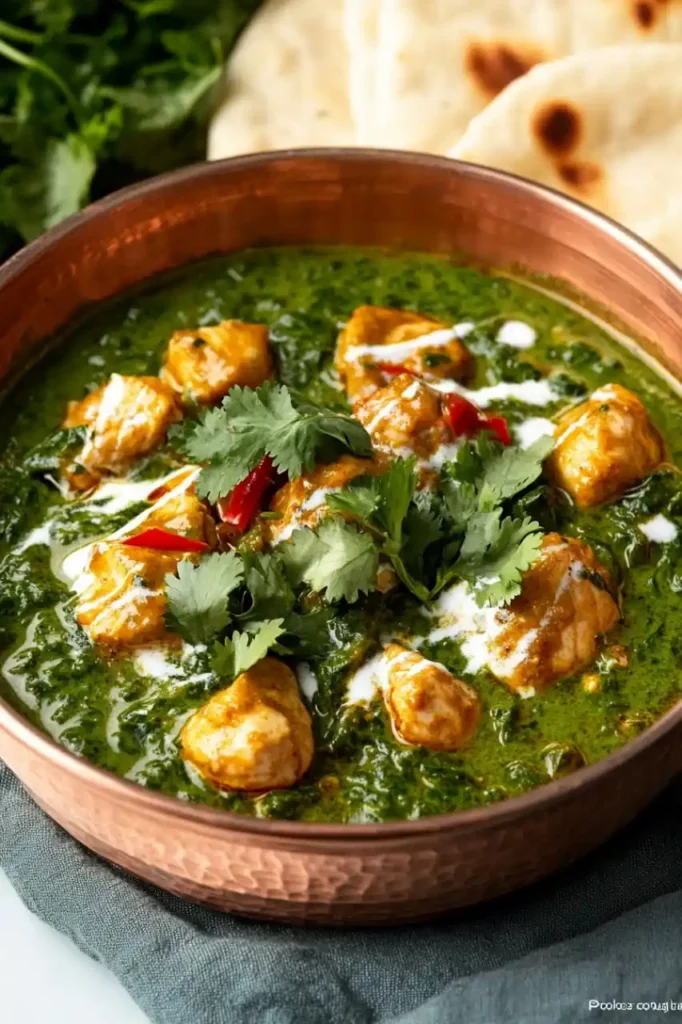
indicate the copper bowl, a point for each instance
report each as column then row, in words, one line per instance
column 338, row 874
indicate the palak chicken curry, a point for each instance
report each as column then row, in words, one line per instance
column 341, row 536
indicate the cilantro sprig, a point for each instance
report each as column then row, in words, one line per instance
column 243, row 605
column 197, row 596
column 336, row 559
column 254, row 422
column 495, row 550
column 381, row 504
column 466, row 527
column 239, row 606
column 237, row 654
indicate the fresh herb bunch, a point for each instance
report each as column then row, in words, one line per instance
column 241, row 606
column 254, row 422
column 465, row 525
column 96, row 94
column 464, row 529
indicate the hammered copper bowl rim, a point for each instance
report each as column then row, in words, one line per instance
column 126, row 791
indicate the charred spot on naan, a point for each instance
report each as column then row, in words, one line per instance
column 557, row 127
column 581, row 176
column 493, row 65
column 646, row 12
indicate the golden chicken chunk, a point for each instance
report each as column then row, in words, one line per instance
column 254, row 735
column 181, row 513
column 124, row 602
column 301, row 502
column 376, row 339
column 122, row 593
column 550, row 630
column 206, row 363
column 604, row 446
column 128, row 417
column 427, row 705
column 406, row 414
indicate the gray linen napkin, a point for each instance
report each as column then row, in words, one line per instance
column 608, row 930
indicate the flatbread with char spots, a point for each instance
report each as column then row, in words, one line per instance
column 604, row 126
column 440, row 62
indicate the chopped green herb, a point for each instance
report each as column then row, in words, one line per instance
column 336, row 559
column 252, row 423
column 197, row 596
column 242, row 650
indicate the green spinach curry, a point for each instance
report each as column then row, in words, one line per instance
column 341, row 536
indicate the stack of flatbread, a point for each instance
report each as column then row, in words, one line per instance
column 582, row 95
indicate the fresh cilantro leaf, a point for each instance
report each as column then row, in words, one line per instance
column 336, row 559
column 254, row 422
column 423, row 526
column 486, row 550
column 308, row 635
column 510, row 470
column 94, row 96
column 241, row 651
column 494, row 554
column 484, row 473
column 461, row 500
column 396, row 488
column 266, row 581
column 381, row 505
column 359, row 499
column 197, row 596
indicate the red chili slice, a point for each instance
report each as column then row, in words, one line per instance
column 462, row 416
column 499, row 427
column 465, row 420
column 241, row 506
column 164, row 540
column 394, row 369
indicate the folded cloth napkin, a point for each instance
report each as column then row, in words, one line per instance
column 609, row 931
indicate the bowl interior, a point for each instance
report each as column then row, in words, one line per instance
column 357, row 198
column 351, row 197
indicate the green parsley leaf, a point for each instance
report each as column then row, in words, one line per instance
column 197, row 596
column 241, row 651
column 494, row 554
column 254, row 422
column 336, row 559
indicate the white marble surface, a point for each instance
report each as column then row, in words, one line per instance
column 45, row 978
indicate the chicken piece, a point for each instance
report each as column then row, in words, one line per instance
column 301, row 502
column 254, row 735
column 428, row 706
column 550, row 630
column 604, row 446
column 122, row 592
column 375, row 335
column 406, row 414
column 123, row 601
column 180, row 513
column 128, row 417
column 206, row 363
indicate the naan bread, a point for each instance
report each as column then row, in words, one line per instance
column 287, row 82
column 440, row 62
column 361, row 25
column 604, row 126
